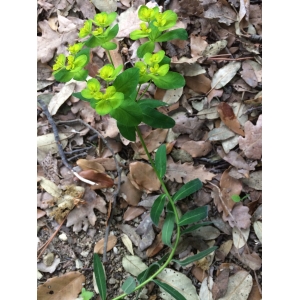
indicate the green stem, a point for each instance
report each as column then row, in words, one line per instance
column 175, row 213
column 111, row 61
column 146, row 89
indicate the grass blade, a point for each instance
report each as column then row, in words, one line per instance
column 100, row 276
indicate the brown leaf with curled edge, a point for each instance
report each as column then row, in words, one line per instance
column 132, row 212
column 66, row 287
column 86, row 164
column 186, row 172
column 108, row 163
column 199, row 274
column 129, row 192
column 199, row 84
column 229, row 119
column 252, row 260
column 197, row 149
column 251, row 144
column 143, row 177
column 242, row 219
column 156, row 246
column 99, row 246
column 102, row 180
column 220, row 284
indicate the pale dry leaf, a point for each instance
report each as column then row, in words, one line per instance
column 145, row 229
column 128, row 21
column 197, row 149
column 171, row 96
column 130, row 232
column 47, row 143
column 214, row 93
column 251, row 144
column 105, row 5
column 257, row 226
column 225, row 74
column 251, row 72
column 189, row 69
column 206, row 289
column 99, row 246
column 230, row 143
column 198, row 44
column 240, row 237
column 186, row 172
column 252, row 260
column 179, row 282
column 220, row 285
column 66, row 287
column 85, row 112
column 50, row 187
column 127, row 243
column 48, row 269
column 254, row 181
column 223, row 250
column 40, row 213
column 215, row 48
column 206, row 233
column 255, row 17
column 199, row 83
column 132, row 212
column 241, row 217
column 87, row 8
column 220, row 134
column 143, row 177
column 239, row 286
column 133, row 265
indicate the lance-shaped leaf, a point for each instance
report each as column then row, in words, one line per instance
column 188, row 189
column 148, row 272
column 157, row 208
column 179, row 33
column 169, row 290
column 100, row 276
column 193, row 258
column 161, row 160
column 167, row 229
column 193, row 216
column 194, row 227
column 129, row 285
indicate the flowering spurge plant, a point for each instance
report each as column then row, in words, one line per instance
column 119, row 97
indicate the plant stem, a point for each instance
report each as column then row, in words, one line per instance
column 111, row 61
column 146, row 89
column 175, row 213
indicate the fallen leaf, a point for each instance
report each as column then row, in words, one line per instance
column 133, row 265
column 143, row 177
column 179, row 282
column 66, row 287
column 257, row 226
column 206, row 289
column 241, row 217
column 199, row 274
column 145, row 229
column 252, row 260
column 46, row 142
column 40, row 213
column 129, row 192
column 130, row 232
column 108, row 163
column 206, row 233
column 220, row 284
column 171, row 96
column 251, row 144
column 229, row 119
column 99, row 246
column 105, row 5
column 214, row 93
column 254, row 181
column 223, row 250
column 132, row 212
column 215, row 48
column 240, row 237
column 48, row 269
column 126, row 27
column 255, row 292
column 251, row 72
column 127, row 243
column 86, row 164
column 87, row 8
column 156, row 246
column 50, row 187
column 198, row 44
column 225, row 74
column 220, row 134
column 239, row 286
column 187, row 69
column 102, row 180
column 197, row 149
column 199, row 84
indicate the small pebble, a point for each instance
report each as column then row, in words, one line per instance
column 39, row 275
column 112, row 281
column 84, row 253
column 115, row 249
column 63, row 237
column 78, row 264
column 48, row 259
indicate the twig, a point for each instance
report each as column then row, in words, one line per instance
column 119, row 169
column 225, row 58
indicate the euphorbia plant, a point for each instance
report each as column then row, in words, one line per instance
column 120, row 99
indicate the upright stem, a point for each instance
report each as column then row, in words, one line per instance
column 111, row 61
column 175, row 213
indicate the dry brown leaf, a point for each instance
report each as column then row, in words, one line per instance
column 229, row 119
column 102, row 180
column 253, row 261
column 130, row 232
column 251, row 144
column 156, row 246
column 143, row 177
column 255, row 292
column 115, row 55
column 99, row 246
column 198, row 45
column 220, row 284
column 197, row 149
column 186, row 172
column 85, row 112
column 199, row 84
column 255, row 17
column 40, row 213
column 132, row 212
column 241, row 217
column 223, row 250
column 106, row 5
column 87, row 8
column 86, row 164
column 251, row 72
column 199, row 274
column 66, row 287
column 214, row 93
column 129, row 192
column 107, row 162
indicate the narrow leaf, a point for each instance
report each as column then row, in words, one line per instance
column 167, row 229
column 129, row 285
column 179, row 33
column 148, row 272
column 194, row 227
column 161, row 160
column 193, row 258
column 169, row 290
column 100, row 276
column 188, row 189
column 157, row 208
column 193, row 216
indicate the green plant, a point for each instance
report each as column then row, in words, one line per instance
column 85, row 295
column 120, row 98
column 237, row 198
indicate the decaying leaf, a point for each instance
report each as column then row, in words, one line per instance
column 251, row 72
column 66, row 287
column 252, row 260
column 132, row 212
column 206, row 289
column 254, row 180
column 257, row 226
column 229, row 119
column 48, row 269
column 133, row 265
column 130, row 232
column 199, row 274
column 239, row 286
column 127, row 243
column 251, row 144
column 99, row 246
column 146, row 230
column 223, row 250
column 50, row 187
column 102, row 180
column 240, row 237
column 129, row 192
column 85, row 164
column 241, row 217
column 220, row 134
column 156, row 246
column 199, row 84
column 47, row 142
column 220, row 285
column 225, row 74
column 106, row 5
column 197, row 149
column 214, row 48
column 206, row 233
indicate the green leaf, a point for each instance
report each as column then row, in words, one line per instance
column 193, row 216
column 100, row 276
column 161, row 160
column 156, row 119
column 92, row 101
column 109, row 46
column 198, row 256
column 179, row 33
column 81, row 75
column 171, row 80
column 154, row 33
column 151, row 103
column 169, row 290
column 128, row 113
column 163, row 259
column 188, row 189
column 94, row 41
column 148, row 272
column 147, row 47
column 194, row 227
column 129, row 285
column 127, row 132
column 157, row 208
column 236, row 198
column 86, row 295
column 167, row 229
column 127, row 81
column 111, row 33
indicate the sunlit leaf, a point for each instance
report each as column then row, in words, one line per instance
column 161, row 160
column 187, row 189
column 169, row 290
column 129, row 285
column 100, row 276
column 157, row 208
column 193, row 216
